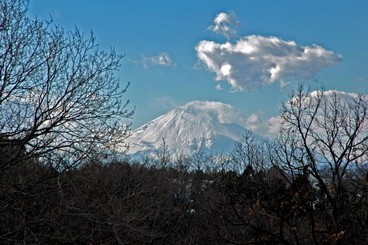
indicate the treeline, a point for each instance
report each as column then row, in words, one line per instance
column 153, row 202
column 308, row 185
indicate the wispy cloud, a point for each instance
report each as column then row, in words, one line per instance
column 166, row 102
column 258, row 123
column 225, row 24
column 162, row 59
column 219, row 87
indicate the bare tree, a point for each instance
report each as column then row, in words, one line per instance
column 308, row 186
column 59, row 97
column 326, row 136
column 251, row 151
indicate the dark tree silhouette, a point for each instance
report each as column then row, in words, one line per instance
column 325, row 136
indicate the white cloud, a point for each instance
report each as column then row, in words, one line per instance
column 342, row 95
column 270, row 126
column 166, row 102
column 253, row 121
column 273, row 126
column 338, row 127
column 254, row 61
column 162, row 59
column 219, row 87
column 328, row 96
column 225, row 113
column 225, row 24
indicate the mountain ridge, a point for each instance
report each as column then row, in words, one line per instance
column 207, row 126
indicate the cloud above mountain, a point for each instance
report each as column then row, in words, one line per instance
column 254, row 61
column 270, row 126
column 166, row 102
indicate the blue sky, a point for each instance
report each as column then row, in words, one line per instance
column 177, row 51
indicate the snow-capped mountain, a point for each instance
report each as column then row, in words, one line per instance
column 210, row 127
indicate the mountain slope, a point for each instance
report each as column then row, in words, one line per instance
column 197, row 126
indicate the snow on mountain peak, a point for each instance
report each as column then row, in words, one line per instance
column 197, row 126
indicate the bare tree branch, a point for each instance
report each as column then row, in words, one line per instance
column 59, row 95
